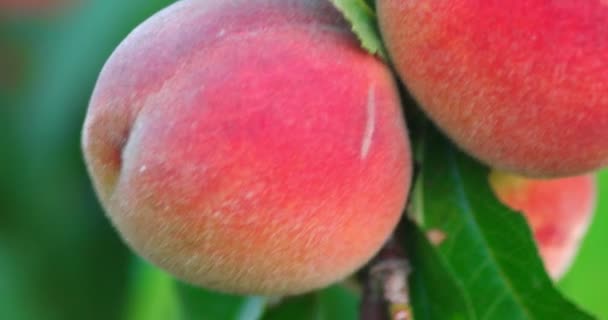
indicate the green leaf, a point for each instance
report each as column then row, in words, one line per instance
column 588, row 275
column 200, row 304
column 486, row 246
column 155, row 295
column 436, row 293
column 152, row 295
column 333, row 303
column 362, row 18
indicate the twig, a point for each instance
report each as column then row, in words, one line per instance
column 386, row 293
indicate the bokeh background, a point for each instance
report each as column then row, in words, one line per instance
column 59, row 257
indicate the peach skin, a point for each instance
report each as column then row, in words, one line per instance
column 558, row 211
column 520, row 85
column 249, row 146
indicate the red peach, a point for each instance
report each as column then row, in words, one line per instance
column 249, row 146
column 558, row 211
column 521, row 85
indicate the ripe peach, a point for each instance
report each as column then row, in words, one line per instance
column 558, row 211
column 521, row 85
column 249, row 146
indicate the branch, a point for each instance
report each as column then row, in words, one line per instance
column 386, row 294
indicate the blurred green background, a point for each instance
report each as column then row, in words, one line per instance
column 59, row 257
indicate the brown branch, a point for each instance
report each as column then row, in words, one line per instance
column 386, row 294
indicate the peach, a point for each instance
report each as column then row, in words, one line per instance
column 249, row 146
column 558, row 211
column 520, row 85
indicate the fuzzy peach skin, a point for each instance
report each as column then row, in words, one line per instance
column 521, row 85
column 558, row 211
column 249, row 146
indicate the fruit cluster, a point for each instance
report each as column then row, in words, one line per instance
column 252, row 146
